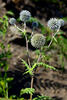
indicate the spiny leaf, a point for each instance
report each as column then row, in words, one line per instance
column 26, row 65
column 43, row 64
column 42, row 98
column 27, row 91
column 10, row 13
column 29, row 70
column 5, row 17
column 9, row 79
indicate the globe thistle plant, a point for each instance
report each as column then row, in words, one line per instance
column 61, row 22
column 37, row 40
column 54, row 24
column 25, row 15
column 12, row 21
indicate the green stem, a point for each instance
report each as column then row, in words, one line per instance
column 32, row 81
column 52, row 38
column 18, row 28
column 28, row 57
column 6, row 84
column 39, row 58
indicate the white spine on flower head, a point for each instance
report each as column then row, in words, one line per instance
column 37, row 40
column 54, row 24
column 12, row 21
column 61, row 22
column 25, row 15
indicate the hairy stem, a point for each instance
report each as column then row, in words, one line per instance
column 39, row 58
column 27, row 51
column 27, row 48
column 18, row 28
column 52, row 38
column 28, row 57
column 32, row 81
column 32, row 32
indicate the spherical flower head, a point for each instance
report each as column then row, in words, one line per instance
column 12, row 21
column 53, row 24
column 38, row 40
column 35, row 24
column 25, row 15
column 61, row 22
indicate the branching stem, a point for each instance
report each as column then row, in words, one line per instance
column 52, row 39
column 27, row 49
column 18, row 28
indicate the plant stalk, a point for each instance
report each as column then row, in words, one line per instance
column 27, row 49
column 52, row 38
column 32, row 80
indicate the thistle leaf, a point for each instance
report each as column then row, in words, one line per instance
column 44, row 65
column 29, row 70
column 42, row 98
column 27, row 91
column 26, row 65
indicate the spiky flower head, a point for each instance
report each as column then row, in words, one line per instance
column 34, row 24
column 61, row 22
column 38, row 40
column 53, row 24
column 12, row 21
column 25, row 15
